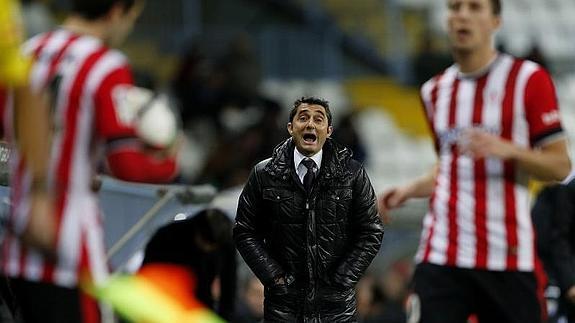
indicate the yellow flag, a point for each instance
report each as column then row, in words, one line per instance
column 13, row 65
column 159, row 293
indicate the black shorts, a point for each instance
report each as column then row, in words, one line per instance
column 444, row 294
column 46, row 303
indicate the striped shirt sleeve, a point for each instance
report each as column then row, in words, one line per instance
column 542, row 108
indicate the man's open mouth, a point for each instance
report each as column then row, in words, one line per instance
column 463, row 32
column 309, row 138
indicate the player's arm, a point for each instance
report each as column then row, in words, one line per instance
column 421, row 187
column 33, row 138
column 31, row 129
column 547, row 158
column 31, row 107
column 549, row 162
column 128, row 156
column 128, row 160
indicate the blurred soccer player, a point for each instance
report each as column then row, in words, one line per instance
column 495, row 123
column 30, row 128
column 94, row 107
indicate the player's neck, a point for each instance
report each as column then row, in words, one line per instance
column 79, row 25
column 470, row 62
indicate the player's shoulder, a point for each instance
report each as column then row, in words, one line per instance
column 116, row 55
column 87, row 46
column 528, row 67
column 109, row 62
column 114, row 60
column 432, row 82
column 111, row 58
column 77, row 46
column 32, row 43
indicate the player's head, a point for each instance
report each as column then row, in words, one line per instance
column 310, row 124
column 119, row 16
column 213, row 229
column 472, row 24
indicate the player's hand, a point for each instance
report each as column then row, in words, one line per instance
column 389, row 200
column 480, row 144
column 40, row 231
column 570, row 294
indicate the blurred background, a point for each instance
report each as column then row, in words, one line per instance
column 232, row 69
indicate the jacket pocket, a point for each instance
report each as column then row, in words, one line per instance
column 282, row 298
column 335, row 301
column 277, row 195
column 280, row 203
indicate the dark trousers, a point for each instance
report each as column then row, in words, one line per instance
column 37, row 302
column 451, row 295
column 564, row 310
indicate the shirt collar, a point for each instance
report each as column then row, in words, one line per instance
column 480, row 72
column 298, row 157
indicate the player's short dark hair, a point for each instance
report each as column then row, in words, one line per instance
column 94, row 9
column 310, row 100
column 496, row 7
column 214, row 226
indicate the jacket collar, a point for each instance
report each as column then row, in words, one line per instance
column 334, row 160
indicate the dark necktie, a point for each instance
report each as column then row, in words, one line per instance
column 309, row 175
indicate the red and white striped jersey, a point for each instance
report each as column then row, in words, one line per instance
column 479, row 212
column 87, row 81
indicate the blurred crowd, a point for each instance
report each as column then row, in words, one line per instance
column 222, row 108
column 226, row 116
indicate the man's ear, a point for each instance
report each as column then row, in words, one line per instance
column 290, row 128
column 329, row 130
column 497, row 23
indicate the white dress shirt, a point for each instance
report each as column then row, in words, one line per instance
column 300, row 168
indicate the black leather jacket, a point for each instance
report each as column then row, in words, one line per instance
column 321, row 243
column 554, row 221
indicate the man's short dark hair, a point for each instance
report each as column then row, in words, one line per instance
column 496, row 7
column 94, row 9
column 214, row 226
column 311, row 101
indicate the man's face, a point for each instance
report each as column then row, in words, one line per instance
column 309, row 128
column 471, row 24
